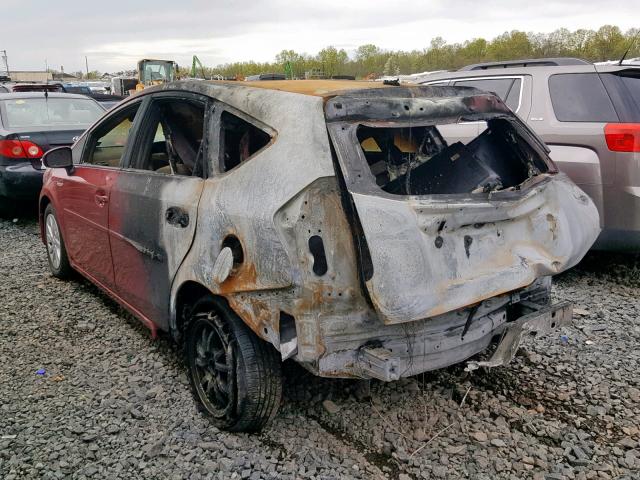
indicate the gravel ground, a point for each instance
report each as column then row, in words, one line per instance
column 113, row 403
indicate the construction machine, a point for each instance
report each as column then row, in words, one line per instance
column 196, row 62
column 154, row 72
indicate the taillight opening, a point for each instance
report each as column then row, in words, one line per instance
column 622, row 137
column 20, row 149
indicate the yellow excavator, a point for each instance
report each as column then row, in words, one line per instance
column 154, row 72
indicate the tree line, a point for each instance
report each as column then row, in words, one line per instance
column 371, row 61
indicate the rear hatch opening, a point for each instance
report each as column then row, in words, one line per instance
column 452, row 199
column 419, row 160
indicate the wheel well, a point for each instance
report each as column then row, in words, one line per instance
column 188, row 295
column 44, row 201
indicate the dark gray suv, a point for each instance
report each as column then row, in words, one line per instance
column 588, row 115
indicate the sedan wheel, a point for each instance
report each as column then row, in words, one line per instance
column 53, row 240
column 56, row 250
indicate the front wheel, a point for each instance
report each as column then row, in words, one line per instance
column 235, row 376
column 56, row 250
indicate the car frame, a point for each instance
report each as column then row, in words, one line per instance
column 294, row 251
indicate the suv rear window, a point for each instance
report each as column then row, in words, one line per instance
column 508, row 89
column 580, row 97
column 632, row 83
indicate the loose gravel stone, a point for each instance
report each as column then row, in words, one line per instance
column 114, row 403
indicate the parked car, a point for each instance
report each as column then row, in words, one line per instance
column 107, row 100
column 329, row 222
column 588, row 115
column 266, row 76
column 30, row 124
column 34, row 87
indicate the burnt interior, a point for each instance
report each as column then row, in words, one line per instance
column 176, row 139
column 417, row 160
column 240, row 140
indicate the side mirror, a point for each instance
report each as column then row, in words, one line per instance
column 58, row 158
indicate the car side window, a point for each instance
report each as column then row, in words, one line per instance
column 580, row 97
column 239, row 140
column 172, row 143
column 107, row 143
column 508, row 89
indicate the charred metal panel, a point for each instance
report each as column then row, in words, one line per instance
column 483, row 249
column 433, row 254
column 273, row 204
column 147, row 245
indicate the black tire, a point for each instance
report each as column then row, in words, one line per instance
column 61, row 269
column 235, row 376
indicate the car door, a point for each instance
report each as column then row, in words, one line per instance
column 85, row 196
column 154, row 202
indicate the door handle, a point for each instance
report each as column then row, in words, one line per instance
column 177, row 217
column 101, row 200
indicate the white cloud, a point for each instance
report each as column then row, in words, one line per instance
column 222, row 31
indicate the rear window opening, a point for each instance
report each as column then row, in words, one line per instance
column 44, row 112
column 417, row 160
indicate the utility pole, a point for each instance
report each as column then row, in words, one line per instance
column 86, row 64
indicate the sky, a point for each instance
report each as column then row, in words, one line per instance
column 117, row 34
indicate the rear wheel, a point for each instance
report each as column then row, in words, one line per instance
column 56, row 251
column 235, row 376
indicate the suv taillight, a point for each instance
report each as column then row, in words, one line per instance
column 622, row 137
column 20, row 149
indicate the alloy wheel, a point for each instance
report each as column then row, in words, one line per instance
column 214, row 369
column 52, row 233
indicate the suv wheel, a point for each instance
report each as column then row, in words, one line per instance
column 56, row 251
column 235, row 376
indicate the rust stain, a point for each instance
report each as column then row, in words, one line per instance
column 256, row 313
column 244, row 279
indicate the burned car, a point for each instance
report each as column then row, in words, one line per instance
column 335, row 223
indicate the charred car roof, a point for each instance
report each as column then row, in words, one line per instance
column 325, row 89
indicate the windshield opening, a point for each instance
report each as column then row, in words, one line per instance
column 430, row 160
column 41, row 112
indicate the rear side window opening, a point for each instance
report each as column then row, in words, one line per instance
column 417, row 160
column 239, row 140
